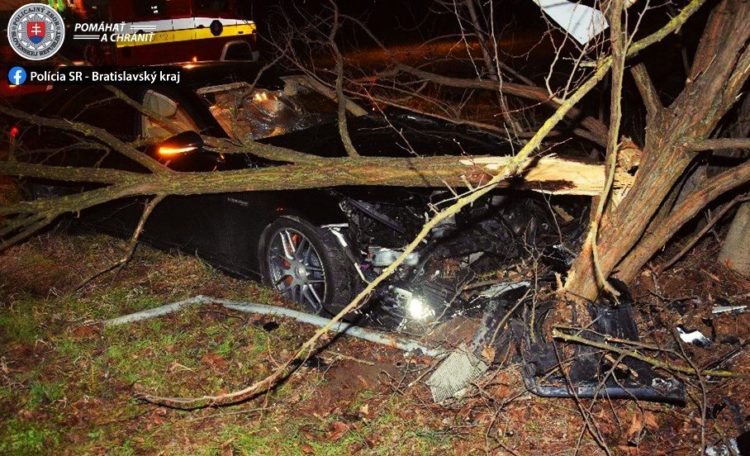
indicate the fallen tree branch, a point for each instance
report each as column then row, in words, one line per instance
column 92, row 132
column 557, row 334
column 548, row 175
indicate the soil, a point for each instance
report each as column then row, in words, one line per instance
column 67, row 383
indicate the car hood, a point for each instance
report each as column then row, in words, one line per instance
column 398, row 134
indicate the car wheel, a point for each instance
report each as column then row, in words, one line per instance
column 307, row 265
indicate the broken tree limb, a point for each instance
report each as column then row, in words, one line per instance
column 551, row 175
column 632, row 353
column 548, row 175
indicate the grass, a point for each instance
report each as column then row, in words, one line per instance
column 67, row 384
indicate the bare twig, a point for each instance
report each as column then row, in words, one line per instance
column 343, row 129
column 632, row 353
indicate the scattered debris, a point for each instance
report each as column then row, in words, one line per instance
column 464, row 364
column 728, row 309
column 498, row 289
column 582, row 22
column 455, row 373
column 724, row 450
column 594, row 376
column 694, row 337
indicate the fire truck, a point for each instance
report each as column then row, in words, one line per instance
column 171, row 31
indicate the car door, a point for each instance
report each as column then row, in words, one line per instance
column 191, row 223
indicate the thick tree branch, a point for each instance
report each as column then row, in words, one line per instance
column 548, row 175
column 710, row 224
column 652, row 241
column 719, row 143
column 92, row 132
column 647, row 90
column 693, row 115
column 69, row 173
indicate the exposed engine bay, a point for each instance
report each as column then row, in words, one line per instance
column 459, row 265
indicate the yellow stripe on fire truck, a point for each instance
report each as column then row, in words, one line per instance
column 187, row 29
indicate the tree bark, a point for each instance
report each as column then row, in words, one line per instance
column 735, row 252
column 719, row 71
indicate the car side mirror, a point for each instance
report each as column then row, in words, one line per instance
column 180, row 144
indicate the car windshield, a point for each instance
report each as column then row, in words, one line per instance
column 246, row 113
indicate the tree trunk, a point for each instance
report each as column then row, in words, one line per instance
column 720, row 69
column 735, row 252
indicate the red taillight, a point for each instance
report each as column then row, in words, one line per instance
column 13, row 132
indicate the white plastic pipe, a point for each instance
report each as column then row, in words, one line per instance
column 378, row 337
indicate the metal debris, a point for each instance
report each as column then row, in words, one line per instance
column 728, row 309
column 455, row 373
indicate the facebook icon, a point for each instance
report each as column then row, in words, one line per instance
column 16, row 76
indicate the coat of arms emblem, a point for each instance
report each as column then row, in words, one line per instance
column 36, row 31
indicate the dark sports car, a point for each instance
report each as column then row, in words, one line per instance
column 318, row 247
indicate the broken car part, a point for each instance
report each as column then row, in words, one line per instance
column 349, row 329
column 465, row 364
column 694, row 337
column 728, row 309
column 589, row 373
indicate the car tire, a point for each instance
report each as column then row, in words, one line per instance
column 338, row 274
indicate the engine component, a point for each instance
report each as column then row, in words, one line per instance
column 381, row 257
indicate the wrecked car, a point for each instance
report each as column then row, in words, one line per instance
column 317, row 247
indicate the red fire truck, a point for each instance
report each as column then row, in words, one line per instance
column 171, row 31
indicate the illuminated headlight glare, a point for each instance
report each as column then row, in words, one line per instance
column 418, row 309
